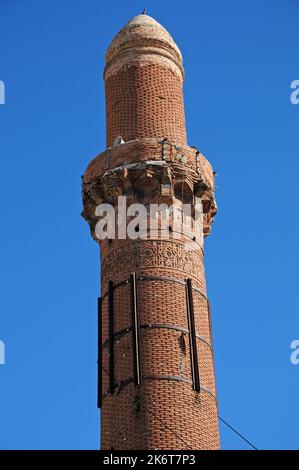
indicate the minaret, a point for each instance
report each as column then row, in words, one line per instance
column 156, row 368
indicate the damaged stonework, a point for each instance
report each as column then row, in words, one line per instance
column 176, row 175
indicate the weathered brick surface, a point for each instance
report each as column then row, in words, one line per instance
column 144, row 149
column 127, row 424
column 145, row 100
column 144, row 105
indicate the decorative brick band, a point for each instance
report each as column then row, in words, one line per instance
column 143, row 254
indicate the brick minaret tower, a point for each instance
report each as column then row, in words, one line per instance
column 156, row 371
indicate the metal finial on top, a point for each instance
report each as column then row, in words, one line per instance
column 144, row 11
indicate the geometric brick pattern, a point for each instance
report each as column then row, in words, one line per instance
column 156, row 111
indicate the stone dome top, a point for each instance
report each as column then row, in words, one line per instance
column 143, row 35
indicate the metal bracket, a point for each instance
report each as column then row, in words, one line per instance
column 107, row 160
column 136, row 331
column 192, row 336
column 100, row 355
column 111, row 336
column 164, row 149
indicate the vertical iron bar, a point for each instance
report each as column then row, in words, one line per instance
column 100, row 357
column 111, row 338
column 164, row 149
column 192, row 335
column 196, row 156
column 136, row 331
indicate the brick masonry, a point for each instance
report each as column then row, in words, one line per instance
column 144, row 105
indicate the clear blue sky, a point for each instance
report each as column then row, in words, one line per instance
column 240, row 58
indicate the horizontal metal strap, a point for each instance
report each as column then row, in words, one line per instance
column 162, row 278
column 172, row 378
column 170, row 279
column 167, row 326
column 200, row 291
column 157, row 278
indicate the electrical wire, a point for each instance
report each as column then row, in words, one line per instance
column 237, row 432
column 181, row 439
column 167, row 427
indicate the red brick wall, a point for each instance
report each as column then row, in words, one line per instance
column 131, row 417
column 144, row 105
column 145, row 101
